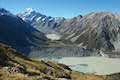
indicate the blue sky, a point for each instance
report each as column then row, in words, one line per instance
column 64, row 8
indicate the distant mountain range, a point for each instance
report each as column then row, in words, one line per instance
column 18, row 34
column 95, row 30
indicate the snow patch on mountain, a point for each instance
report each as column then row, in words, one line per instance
column 38, row 18
column 53, row 36
column 29, row 10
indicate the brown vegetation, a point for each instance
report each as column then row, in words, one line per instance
column 14, row 66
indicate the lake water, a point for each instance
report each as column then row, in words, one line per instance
column 97, row 65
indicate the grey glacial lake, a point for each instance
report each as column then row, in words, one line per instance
column 96, row 65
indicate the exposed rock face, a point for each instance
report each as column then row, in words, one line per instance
column 18, row 34
column 95, row 30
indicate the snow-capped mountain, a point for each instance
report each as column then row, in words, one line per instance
column 95, row 30
column 43, row 23
column 18, row 34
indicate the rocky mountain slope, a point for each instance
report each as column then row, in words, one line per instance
column 95, row 30
column 43, row 23
column 18, row 34
column 18, row 66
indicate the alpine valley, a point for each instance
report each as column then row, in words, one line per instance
column 95, row 31
column 34, row 46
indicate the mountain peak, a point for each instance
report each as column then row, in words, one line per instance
column 29, row 10
column 5, row 12
column 102, row 14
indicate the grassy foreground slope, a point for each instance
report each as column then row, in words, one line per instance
column 17, row 67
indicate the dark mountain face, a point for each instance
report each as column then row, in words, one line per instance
column 17, row 34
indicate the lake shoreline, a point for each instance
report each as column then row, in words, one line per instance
column 92, row 65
